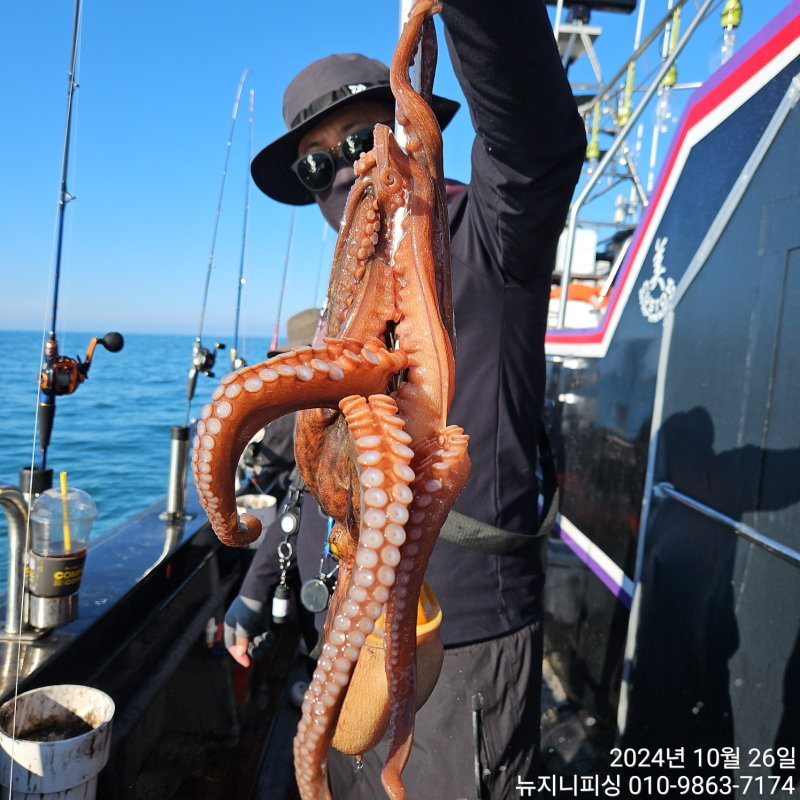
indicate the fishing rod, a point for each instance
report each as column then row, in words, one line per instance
column 274, row 345
column 202, row 358
column 238, row 362
column 61, row 375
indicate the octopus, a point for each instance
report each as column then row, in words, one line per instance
column 372, row 441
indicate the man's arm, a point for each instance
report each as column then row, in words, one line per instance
column 246, row 613
column 530, row 139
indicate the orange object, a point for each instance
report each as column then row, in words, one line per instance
column 580, row 291
column 364, row 718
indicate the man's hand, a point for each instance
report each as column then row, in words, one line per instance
column 241, row 623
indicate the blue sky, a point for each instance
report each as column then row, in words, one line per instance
column 157, row 82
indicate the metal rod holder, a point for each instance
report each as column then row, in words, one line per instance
column 16, row 510
column 176, row 482
column 28, row 618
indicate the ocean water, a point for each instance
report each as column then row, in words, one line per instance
column 112, row 436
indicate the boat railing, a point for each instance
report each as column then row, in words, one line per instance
column 621, row 132
column 745, row 531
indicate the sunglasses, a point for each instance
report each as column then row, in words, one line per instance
column 317, row 169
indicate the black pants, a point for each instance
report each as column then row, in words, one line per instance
column 507, row 673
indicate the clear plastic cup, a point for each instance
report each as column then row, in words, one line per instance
column 61, row 526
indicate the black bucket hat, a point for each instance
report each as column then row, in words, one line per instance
column 328, row 84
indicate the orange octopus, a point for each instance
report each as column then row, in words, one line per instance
column 372, row 440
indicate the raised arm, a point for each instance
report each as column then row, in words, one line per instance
column 530, row 139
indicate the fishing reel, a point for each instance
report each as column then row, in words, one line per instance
column 63, row 375
column 237, row 361
column 203, row 361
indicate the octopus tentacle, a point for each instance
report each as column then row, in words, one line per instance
column 442, row 469
column 425, row 138
column 252, row 397
column 384, row 473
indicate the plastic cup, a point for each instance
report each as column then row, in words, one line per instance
column 61, row 526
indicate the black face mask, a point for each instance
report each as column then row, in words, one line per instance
column 333, row 200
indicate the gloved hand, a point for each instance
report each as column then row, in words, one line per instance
column 241, row 623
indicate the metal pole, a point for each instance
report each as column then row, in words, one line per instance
column 176, row 482
column 637, row 189
column 645, row 44
column 400, row 132
column 651, row 175
column 637, row 182
column 274, row 345
column 611, row 152
column 638, row 38
column 557, row 25
column 568, row 51
column 657, row 127
column 593, row 60
column 14, row 505
column 745, row 531
column 405, row 7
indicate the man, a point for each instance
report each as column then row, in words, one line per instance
column 504, row 227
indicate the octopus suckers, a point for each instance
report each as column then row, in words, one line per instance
column 223, row 409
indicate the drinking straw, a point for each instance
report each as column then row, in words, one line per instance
column 67, row 538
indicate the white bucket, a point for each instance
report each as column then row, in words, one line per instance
column 261, row 506
column 61, row 768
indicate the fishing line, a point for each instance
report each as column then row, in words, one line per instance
column 203, row 359
column 219, row 202
column 244, row 324
column 22, row 582
column 321, row 260
column 247, row 178
column 52, row 286
column 72, row 178
column 237, row 362
column 274, row 345
column 28, row 515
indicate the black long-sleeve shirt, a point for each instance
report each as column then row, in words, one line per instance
column 504, row 225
